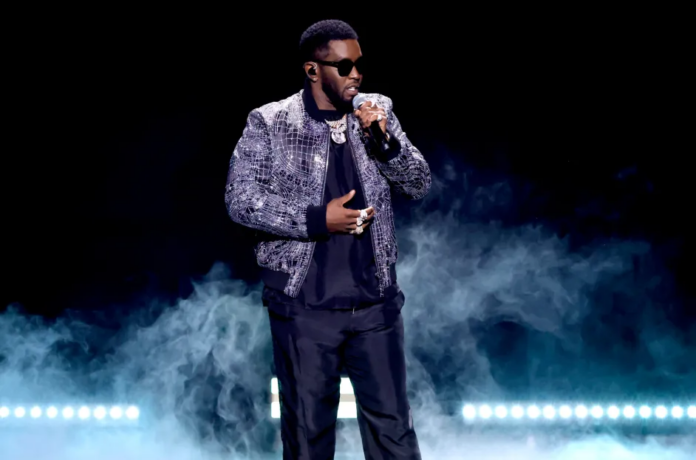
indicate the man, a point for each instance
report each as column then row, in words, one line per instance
column 311, row 179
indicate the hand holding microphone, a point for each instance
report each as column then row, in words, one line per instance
column 373, row 119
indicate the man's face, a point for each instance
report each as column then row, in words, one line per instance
column 340, row 89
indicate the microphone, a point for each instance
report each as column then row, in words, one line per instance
column 374, row 129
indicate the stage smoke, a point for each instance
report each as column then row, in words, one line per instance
column 493, row 310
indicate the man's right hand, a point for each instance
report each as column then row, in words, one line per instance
column 342, row 220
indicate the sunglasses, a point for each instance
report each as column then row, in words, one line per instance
column 345, row 66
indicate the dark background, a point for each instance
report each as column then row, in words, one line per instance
column 121, row 124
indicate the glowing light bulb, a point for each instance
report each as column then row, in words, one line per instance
column 533, row 412
column 83, row 413
column 501, row 412
column 517, row 412
column 597, row 412
column 661, row 412
column 549, row 412
column 116, row 413
column 99, row 413
column 469, row 412
column 581, row 411
column 132, row 413
column 566, row 412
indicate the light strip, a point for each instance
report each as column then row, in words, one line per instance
column 526, row 411
column 79, row 413
column 549, row 412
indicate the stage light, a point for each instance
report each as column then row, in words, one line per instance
column 597, row 412
column 501, row 412
column 66, row 413
column 132, row 412
column 517, row 412
column 566, row 412
column 100, row 413
column 581, row 411
column 614, row 413
column 549, row 412
column 661, row 412
column 469, row 412
column 645, row 412
column 116, row 413
column 491, row 412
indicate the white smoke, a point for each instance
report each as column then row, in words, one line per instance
column 201, row 371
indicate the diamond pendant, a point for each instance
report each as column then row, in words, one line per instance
column 338, row 137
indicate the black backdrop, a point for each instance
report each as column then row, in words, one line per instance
column 121, row 124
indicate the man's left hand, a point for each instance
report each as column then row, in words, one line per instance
column 369, row 112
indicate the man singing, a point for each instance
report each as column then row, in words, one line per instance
column 314, row 180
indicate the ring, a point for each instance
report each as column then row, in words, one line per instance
column 359, row 230
column 360, row 221
column 363, row 214
column 379, row 117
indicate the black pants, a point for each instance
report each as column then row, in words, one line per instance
column 310, row 348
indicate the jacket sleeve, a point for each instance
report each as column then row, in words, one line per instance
column 250, row 197
column 403, row 165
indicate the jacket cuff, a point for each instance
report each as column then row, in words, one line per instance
column 393, row 152
column 316, row 221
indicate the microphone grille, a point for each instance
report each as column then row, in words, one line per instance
column 358, row 100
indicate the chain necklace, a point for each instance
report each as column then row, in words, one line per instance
column 338, row 129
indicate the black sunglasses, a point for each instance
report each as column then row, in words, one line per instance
column 345, row 66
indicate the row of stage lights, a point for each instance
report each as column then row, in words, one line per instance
column 550, row 412
column 68, row 413
column 347, row 409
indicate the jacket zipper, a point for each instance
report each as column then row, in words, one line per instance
column 360, row 180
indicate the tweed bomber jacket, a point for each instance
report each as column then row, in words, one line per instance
column 278, row 170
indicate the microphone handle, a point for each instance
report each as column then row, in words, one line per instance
column 378, row 136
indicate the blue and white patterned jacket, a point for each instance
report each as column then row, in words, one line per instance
column 278, row 169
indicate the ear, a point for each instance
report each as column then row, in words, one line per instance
column 311, row 70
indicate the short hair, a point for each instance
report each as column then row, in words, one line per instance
column 318, row 36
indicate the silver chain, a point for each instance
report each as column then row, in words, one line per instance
column 338, row 129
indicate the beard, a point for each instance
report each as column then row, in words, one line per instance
column 336, row 99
